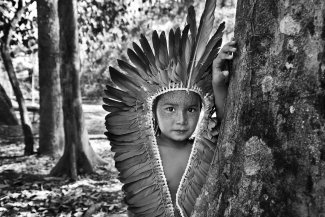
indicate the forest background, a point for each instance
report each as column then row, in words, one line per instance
column 106, row 29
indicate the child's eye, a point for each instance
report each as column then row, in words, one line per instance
column 170, row 109
column 192, row 110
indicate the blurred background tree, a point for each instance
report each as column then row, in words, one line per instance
column 15, row 13
column 51, row 132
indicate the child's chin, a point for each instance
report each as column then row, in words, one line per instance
column 181, row 138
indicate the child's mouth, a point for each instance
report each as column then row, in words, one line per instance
column 180, row 131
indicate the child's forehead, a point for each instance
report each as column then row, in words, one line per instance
column 179, row 96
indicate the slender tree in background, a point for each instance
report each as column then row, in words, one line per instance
column 271, row 160
column 5, row 40
column 7, row 113
column 78, row 157
column 51, row 130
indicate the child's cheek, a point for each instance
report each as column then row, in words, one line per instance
column 163, row 115
column 166, row 116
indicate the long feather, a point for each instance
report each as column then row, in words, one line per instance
column 163, row 52
column 134, row 73
column 182, row 72
column 147, row 50
column 128, row 137
column 129, row 69
column 125, row 82
column 119, row 95
column 135, row 178
column 177, row 42
column 111, row 102
column 171, row 44
column 135, row 169
column 140, row 53
column 149, row 203
column 187, row 51
column 118, row 148
column 203, row 35
column 126, row 145
column 110, row 108
column 121, row 156
column 156, row 43
column 118, row 119
column 139, row 182
column 138, row 63
column 145, row 191
column 191, row 19
column 121, row 130
column 184, row 40
column 207, row 62
column 216, row 40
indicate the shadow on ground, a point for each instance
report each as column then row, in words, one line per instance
column 26, row 189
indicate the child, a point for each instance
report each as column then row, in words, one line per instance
column 160, row 110
column 177, row 114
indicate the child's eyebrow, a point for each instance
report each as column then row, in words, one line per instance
column 176, row 104
column 169, row 103
column 194, row 105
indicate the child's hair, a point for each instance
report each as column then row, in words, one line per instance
column 154, row 116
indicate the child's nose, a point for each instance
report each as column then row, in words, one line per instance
column 181, row 117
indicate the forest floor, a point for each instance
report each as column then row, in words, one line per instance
column 26, row 189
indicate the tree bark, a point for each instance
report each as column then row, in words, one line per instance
column 51, row 132
column 7, row 113
column 271, row 158
column 25, row 121
column 78, row 157
column 5, row 54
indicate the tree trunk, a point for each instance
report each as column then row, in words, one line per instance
column 51, row 132
column 25, row 122
column 8, row 29
column 7, row 113
column 271, row 160
column 78, row 157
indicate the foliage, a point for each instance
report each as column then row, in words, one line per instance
column 23, row 43
column 24, row 37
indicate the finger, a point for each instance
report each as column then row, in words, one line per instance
column 228, row 48
column 214, row 132
column 225, row 73
column 212, row 124
column 227, row 56
column 217, row 61
column 232, row 42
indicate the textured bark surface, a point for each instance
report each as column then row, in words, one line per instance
column 78, row 157
column 7, row 113
column 51, row 131
column 271, row 160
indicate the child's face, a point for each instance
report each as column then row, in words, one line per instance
column 177, row 114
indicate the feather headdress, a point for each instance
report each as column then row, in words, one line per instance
column 181, row 64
